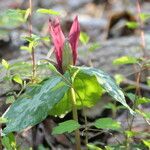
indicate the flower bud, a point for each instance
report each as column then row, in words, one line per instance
column 67, row 56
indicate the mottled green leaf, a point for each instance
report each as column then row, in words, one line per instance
column 105, row 81
column 88, row 83
column 32, row 107
column 67, row 126
column 107, row 123
column 88, row 93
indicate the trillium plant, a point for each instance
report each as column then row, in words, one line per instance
column 68, row 88
column 65, row 48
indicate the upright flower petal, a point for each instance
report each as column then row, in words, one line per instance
column 58, row 40
column 74, row 37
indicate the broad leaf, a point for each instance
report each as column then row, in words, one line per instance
column 105, row 81
column 67, row 126
column 107, row 123
column 33, row 106
column 88, row 93
column 88, row 83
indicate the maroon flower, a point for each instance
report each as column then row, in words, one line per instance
column 65, row 49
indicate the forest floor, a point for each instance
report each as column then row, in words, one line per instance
column 105, row 23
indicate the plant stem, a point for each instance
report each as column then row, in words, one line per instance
column 86, row 128
column 85, row 119
column 1, row 139
column 142, row 34
column 137, row 93
column 75, row 117
column 30, row 32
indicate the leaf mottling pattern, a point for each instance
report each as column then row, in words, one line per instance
column 33, row 106
column 106, row 82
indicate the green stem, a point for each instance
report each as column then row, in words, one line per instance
column 75, row 117
column 86, row 127
column 32, row 52
column 1, row 147
column 85, row 119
